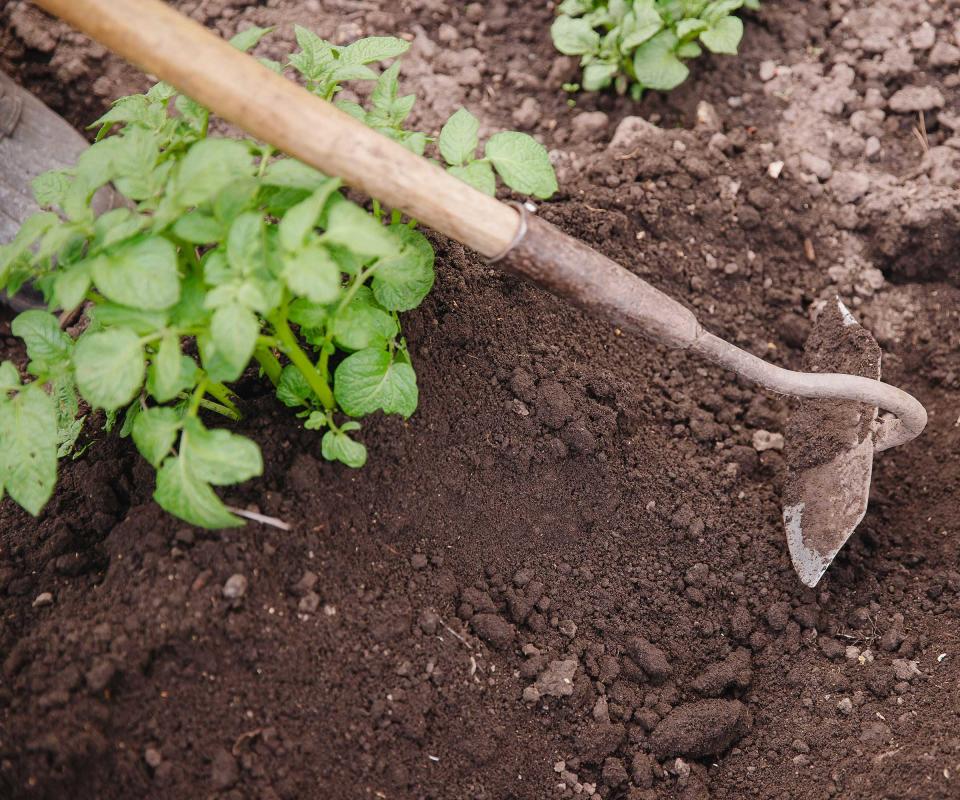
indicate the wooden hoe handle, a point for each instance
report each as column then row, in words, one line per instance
column 275, row 110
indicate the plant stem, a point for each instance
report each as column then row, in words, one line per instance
column 357, row 282
column 222, row 393
column 291, row 348
column 229, row 413
column 269, row 364
column 197, row 397
column 264, row 160
column 324, row 361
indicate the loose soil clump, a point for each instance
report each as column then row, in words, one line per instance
column 566, row 575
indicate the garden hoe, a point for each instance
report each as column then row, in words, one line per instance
column 831, row 439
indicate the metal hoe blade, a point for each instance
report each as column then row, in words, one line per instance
column 829, row 448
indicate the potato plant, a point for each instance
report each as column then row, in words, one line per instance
column 642, row 44
column 223, row 254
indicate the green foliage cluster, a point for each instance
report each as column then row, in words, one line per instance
column 642, row 44
column 223, row 254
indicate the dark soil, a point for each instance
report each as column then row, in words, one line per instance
column 566, row 574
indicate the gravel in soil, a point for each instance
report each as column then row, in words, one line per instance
column 565, row 576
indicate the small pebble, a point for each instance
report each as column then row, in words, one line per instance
column 309, row 603
column 522, row 577
column 816, row 165
column 153, row 757
column 845, row 706
column 235, row 587
column 43, row 599
column 765, row 440
column 418, row 561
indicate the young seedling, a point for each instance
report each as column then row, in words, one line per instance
column 223, row 255
column 642, row 44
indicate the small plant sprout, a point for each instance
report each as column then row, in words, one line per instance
column 224, row 255
column 642, row 44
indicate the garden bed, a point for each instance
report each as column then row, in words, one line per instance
column 567, row 502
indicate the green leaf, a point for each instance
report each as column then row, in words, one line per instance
column 33, row 228
column 644, row 23
column 415, row 142
column 50, row 188
column 68, row 431
column 292, row 174
column 373, row 48
column 95, row 166
column 9, row 378
column 235, row 198
column 245, row 243
column 192, row 113
column 28, row 447
column 718, row 9
column 143, row 323
column 147, row 110
column 219, row 456
column 352, row 72
column 48, row 347
column 689, row 50
column 349, row 225
column 293, row 389
column 233, row 331
column 523, row 163
column 575, row 8
column 386, row 89
column 312, row 273
column 198, row 228
column 181, row 492
column 129, row 417
column 115, row 226
column 363, row 323
column 574, row 37
column 109, row 367
column 273, row 66
column 337, row 446
column 142, row 274
column 301, row 220
column 154, row 432
column 248, row 39
column 724, row 36
column 688, row 28
column 374, row 379
column 401, row 281
column 134, row 167
column 355, row 110
column 479, row 174
column 316, row 421
column 597, row 75
column 189, row 312
column 208, row 166
column 165, row 380
column 656, row 64
column 307, row 314
column 185, row 380
column 459, row 138
column 314, row 53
